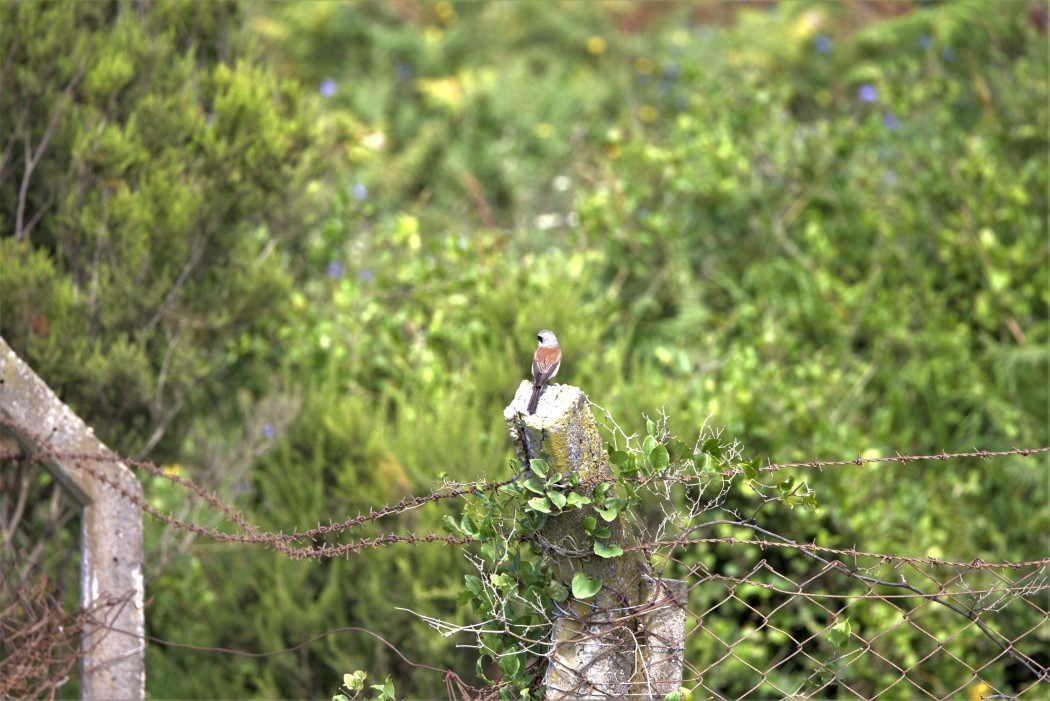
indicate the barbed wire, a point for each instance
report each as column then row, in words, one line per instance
column 280, row 541
column 1012, row 581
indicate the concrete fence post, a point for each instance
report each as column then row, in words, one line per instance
column 111, row 586
column 629, row 639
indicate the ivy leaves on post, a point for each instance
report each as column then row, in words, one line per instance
column 583, row 587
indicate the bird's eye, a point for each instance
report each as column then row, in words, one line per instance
column 539, row 337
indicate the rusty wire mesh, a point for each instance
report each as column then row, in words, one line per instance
column 794, row 624
column 914, row 631
column 41, row 639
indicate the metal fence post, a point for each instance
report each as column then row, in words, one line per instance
column 629, row 639
column 111, row 583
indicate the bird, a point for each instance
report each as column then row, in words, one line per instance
column 545, row 363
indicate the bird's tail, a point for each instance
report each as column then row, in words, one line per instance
column 536, row 389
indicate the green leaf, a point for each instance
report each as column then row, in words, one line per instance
column 557, row 591
column 630, row 465
column 618, row 457
column 474, row 584
column 648, row 445
column 679, row 449
column 479, row 668
column 607, row 514
column 589, row 524
column 556, row 498
column 650, row 427
column 602, row 533
column 539, row 467
column 712, row 447
column 355, row 681
column 386, row 690
column 583, row 587
column 534, row 485
column 468, row 526
column 607, row 550
column 540, row 504
column 701, row 463
column 839, row 635
column 510, row 665
column 577, row 500
column 751, row 468
column 448, row 524
column 659, row 458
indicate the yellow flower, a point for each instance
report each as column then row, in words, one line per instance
column 443, row 91
column 806, row 26
column 980, row 691
column 596, row 45
column 445, row 12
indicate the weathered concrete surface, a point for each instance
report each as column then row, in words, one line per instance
column 111, row 563
column 628, row 640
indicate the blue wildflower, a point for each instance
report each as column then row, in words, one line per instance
column 360, row 192
column 867, row 93
column 335, row 270
column 823, row 44
column 947, row 54
column 365, row 275
column 925, row 42
column 890, row 121
column 327, row 88
column 269, row 431
column 403, row 71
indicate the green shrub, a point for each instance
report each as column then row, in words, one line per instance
column 165, row 167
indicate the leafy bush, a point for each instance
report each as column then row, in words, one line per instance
column 878, row 268
column 162, row 166
column 830, row 235
column 478, row 106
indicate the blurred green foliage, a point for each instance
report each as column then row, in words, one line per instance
column 828, row 232
column 164, row 171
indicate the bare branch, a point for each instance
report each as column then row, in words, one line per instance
column 31, row 155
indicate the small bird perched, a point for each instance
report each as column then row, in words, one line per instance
column 545, row 363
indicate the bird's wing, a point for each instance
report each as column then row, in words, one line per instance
column 545, row 364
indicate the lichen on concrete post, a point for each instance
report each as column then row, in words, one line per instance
column 627, row 640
